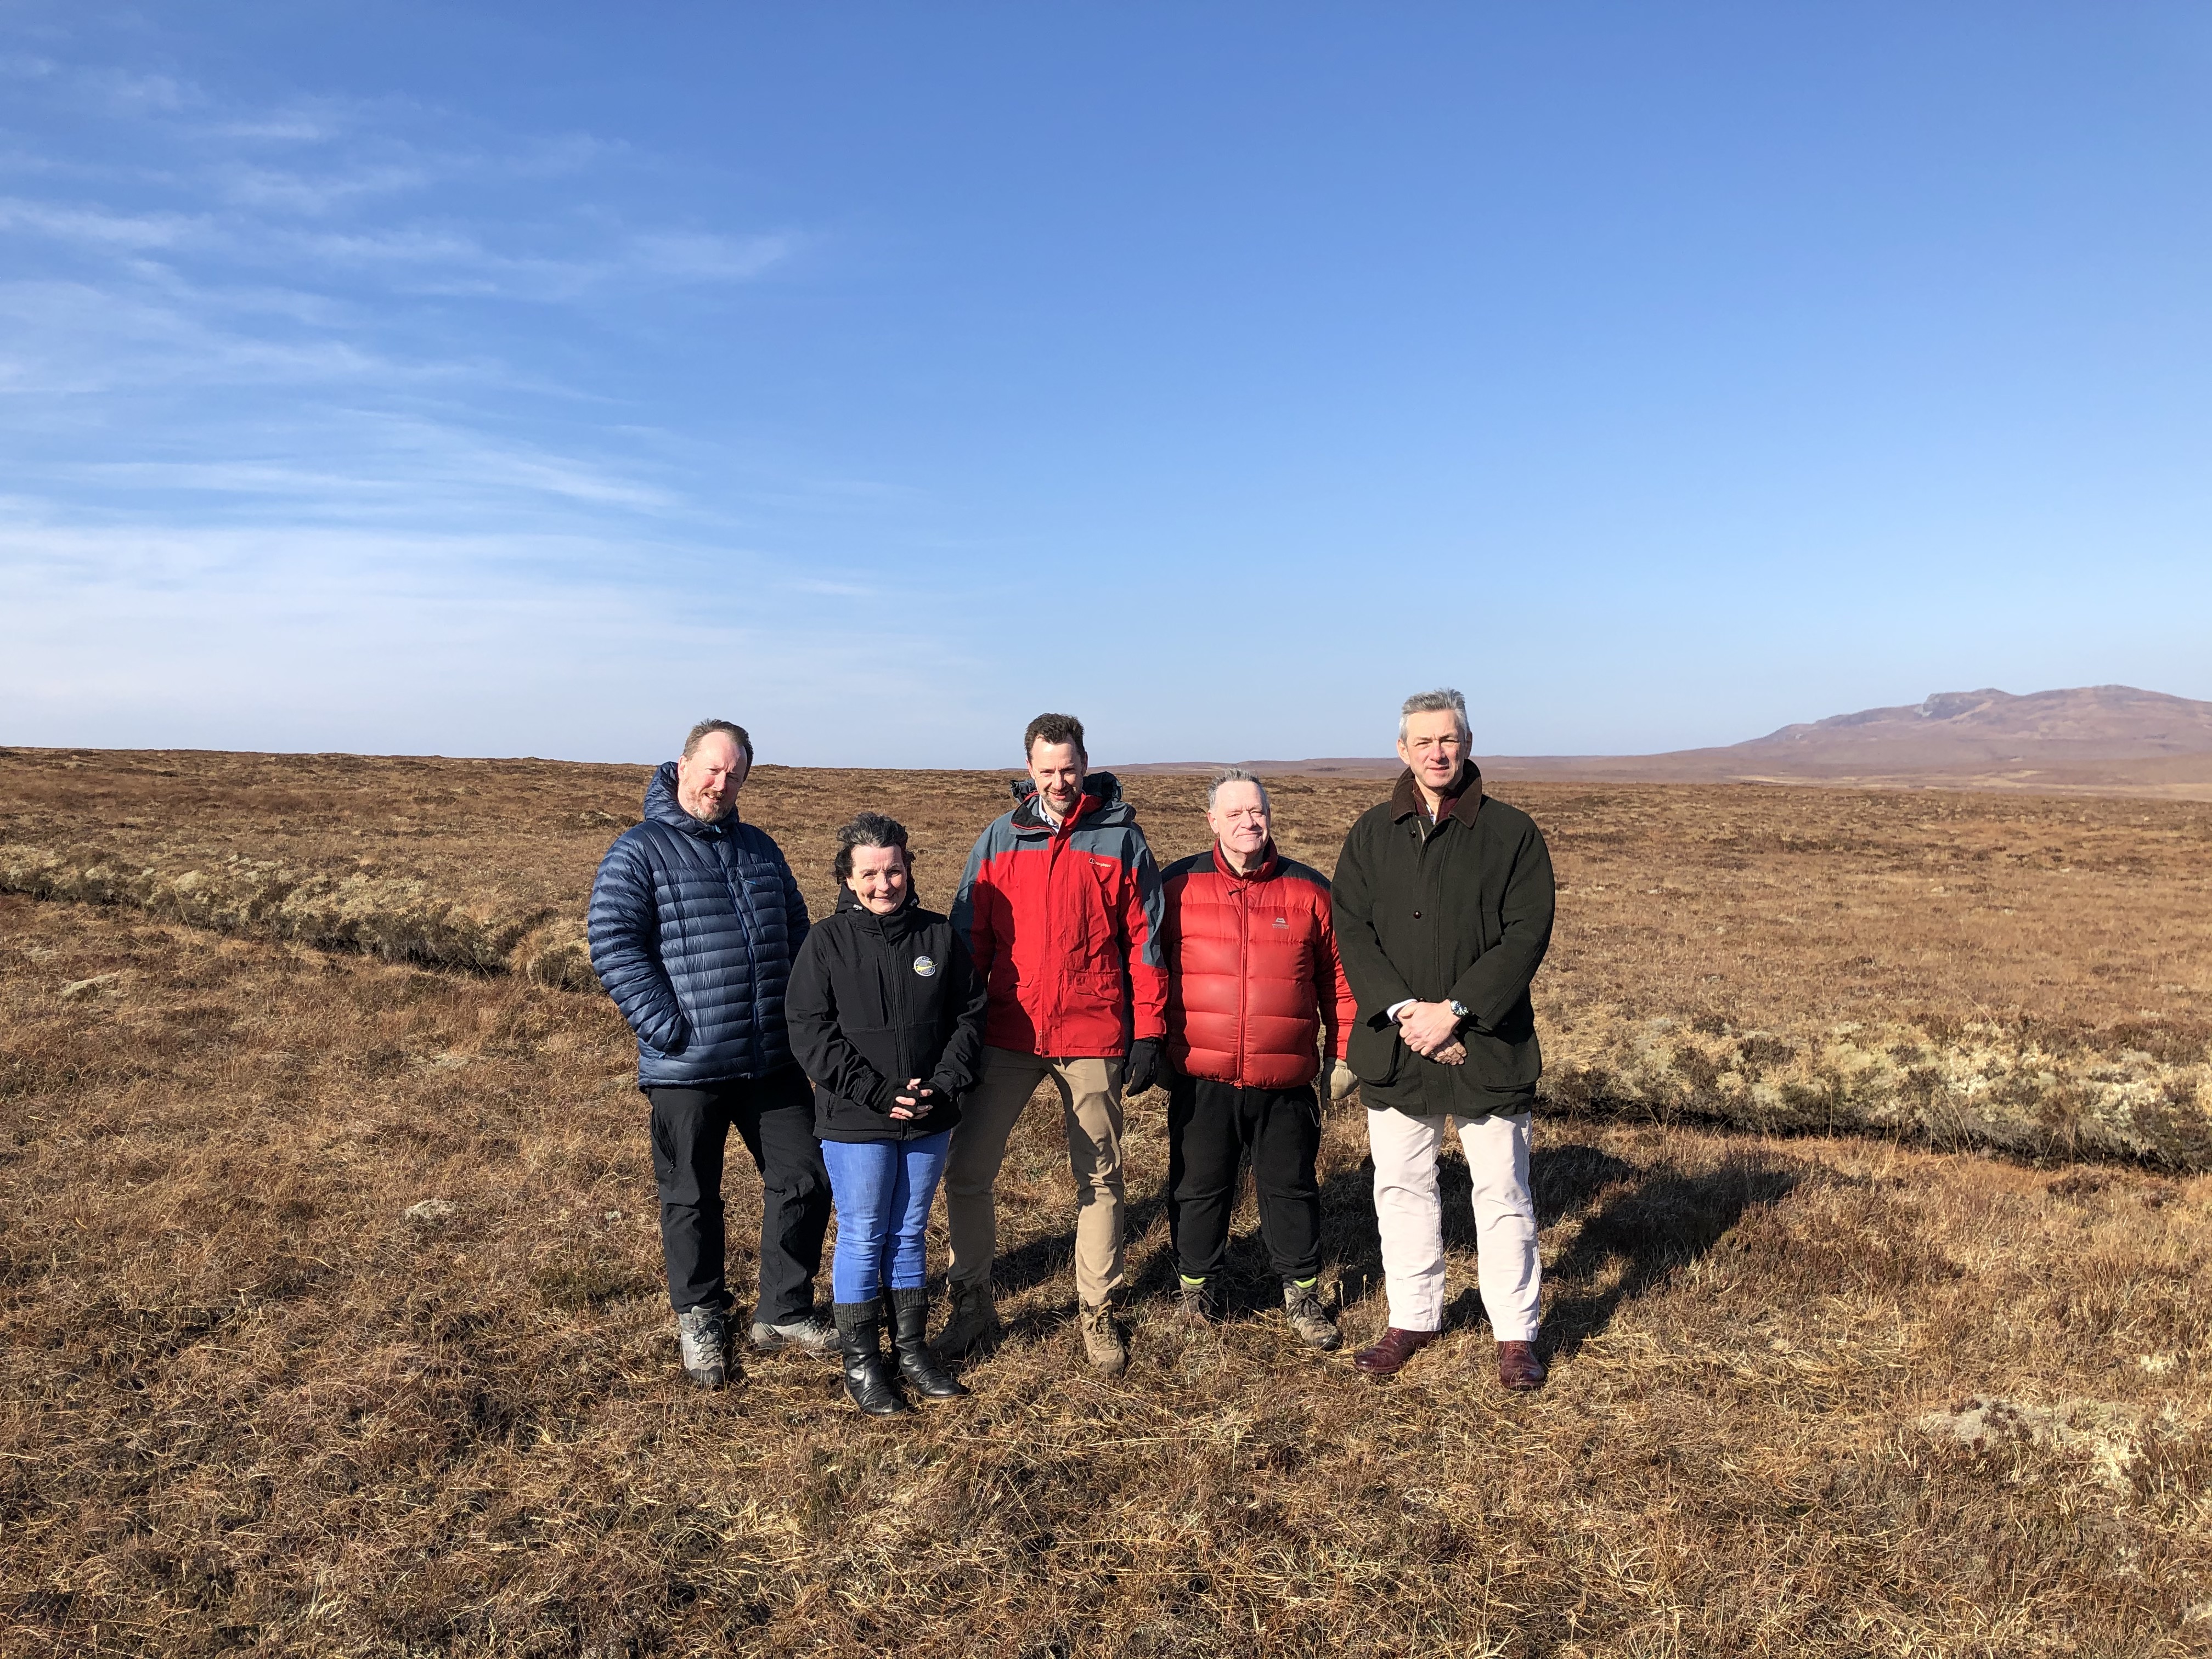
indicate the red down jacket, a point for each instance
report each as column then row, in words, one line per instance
column 1064, row 925
column 1253, row 972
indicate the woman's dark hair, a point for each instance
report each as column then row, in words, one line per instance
column 871, row 829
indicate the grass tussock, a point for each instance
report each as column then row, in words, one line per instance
column 2024, row 973
column 330, row 1322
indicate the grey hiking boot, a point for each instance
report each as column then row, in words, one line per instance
column 1195, row 1303
column 806, row 1333
column 1302, row 1307
column 973, row 1323
column 1102, row 1341
column 703, row 1340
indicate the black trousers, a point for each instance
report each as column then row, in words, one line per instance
column 1212, row 1127
column 690, row 1128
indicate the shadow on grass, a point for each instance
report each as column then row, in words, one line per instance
column 1640, row 1224
column 1641, row 1230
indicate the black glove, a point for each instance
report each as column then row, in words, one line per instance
column 1142, row 1068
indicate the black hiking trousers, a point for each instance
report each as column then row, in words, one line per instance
column 775, row 1115
column 1212, row 1127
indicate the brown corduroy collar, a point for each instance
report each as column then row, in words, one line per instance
column 1462, row 803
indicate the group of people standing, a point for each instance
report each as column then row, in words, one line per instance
column 865, row 1058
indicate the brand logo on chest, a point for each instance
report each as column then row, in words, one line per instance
column 925, row 966
column 1282, row 922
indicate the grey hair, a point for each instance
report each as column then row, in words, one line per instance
column 1235, row 775
column 1433, row 702
column 735, row 732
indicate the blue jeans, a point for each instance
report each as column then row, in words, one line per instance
column 883, row 1189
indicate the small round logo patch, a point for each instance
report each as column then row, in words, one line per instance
column 925, row 966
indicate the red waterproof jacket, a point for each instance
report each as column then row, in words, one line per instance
column 1064, row 925
column 1253, row 972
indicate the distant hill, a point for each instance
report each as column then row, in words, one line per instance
column 2105, row 739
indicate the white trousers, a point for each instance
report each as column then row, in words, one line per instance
column 1411, row 1216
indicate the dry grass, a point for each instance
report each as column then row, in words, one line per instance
column 2026, row 973
column 1812, row 1395
column 250, row 1403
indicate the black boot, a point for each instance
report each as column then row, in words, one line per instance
column 910, row 1338
column 867, row 1378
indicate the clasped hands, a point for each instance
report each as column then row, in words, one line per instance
column 915, row 1101
column 1432, row 1030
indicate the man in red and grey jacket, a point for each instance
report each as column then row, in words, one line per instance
column 1062, row 906
column 1253, row 979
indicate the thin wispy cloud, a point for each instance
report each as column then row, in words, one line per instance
column 262, row 383
column 212, row 268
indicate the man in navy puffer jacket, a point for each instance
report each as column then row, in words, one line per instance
column 695, row 921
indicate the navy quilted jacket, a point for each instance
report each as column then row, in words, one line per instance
column 694, row 926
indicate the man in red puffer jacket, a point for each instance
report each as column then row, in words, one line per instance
column 1252, row 980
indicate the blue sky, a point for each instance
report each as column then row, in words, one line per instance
column 535, row 380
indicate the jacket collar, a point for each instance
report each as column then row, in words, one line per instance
column 1405, row 799
column 1270, row 862
column 894, row 924
column 662, row 807
column 1102, row 795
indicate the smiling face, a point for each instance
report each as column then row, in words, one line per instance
column 1434, row 747
column 879, row 878
column 709, row 778
column 1239, row 819
column 1058, row 770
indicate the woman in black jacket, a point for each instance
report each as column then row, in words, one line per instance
column 886, row 1014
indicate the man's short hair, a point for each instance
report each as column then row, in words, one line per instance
column 870, row 830
column 1055, row 728
column 1436, row 702
column 1235, row 775
column 735, row 731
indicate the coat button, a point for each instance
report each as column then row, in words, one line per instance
column 1417, row 915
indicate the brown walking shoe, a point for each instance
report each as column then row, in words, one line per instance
column 1518, row 1367
column 1102, row 1341
column 1395, row 1348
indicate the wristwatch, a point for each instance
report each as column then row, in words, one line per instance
column 1458, row 1008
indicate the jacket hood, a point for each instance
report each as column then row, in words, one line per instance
column 1103, row 806
column 661, row 806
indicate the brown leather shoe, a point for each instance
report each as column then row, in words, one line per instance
column 1395, row 1348
column 1518, row 1367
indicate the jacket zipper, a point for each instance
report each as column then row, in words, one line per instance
column 1243, row 944
column 740, row 904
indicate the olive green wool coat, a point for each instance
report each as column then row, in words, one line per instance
column 1458, row 913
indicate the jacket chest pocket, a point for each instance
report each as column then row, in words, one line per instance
column 1093, row 888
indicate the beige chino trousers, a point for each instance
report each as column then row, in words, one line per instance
column 1091, row 1104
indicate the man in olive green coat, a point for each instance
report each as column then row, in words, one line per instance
column 1443, row 912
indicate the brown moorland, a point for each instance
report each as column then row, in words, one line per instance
column 333, row 1321
column 2023, row 972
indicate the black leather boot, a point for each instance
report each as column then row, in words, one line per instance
column 910, row 1339
column 867, row 1378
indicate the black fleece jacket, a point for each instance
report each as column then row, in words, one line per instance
column 874, row 1000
